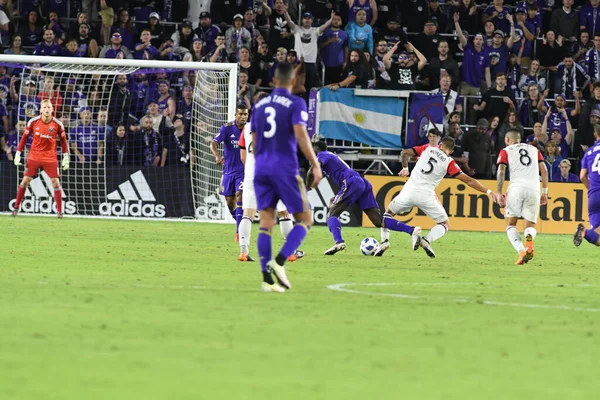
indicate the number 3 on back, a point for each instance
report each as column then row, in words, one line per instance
column 270, row 111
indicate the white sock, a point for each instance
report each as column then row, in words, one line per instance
column 285, row 226
column 515, row 238
column 385, row 234
column 530, row 231
column 436, row 232
column 245, row 231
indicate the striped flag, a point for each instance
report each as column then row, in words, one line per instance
column 376, row 121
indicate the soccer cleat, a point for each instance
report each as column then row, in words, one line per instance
column 279, row 272
column 529, row 247
column 427, row 247
column 296, row 256
column 274, row 288
column 245, row 257
column 237, row 237
column 336, row 247
column 14, row 214
column 59, row 215
column 578, row 236
column 416, row 238
column 382, row 248
column 522, row 258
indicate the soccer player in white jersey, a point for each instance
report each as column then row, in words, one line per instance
column 249, row 202
column 523, row 199
column 419, row 191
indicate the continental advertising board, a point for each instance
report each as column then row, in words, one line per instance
column 470, row 210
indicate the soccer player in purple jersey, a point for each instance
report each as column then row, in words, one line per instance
column 353, row 189
column 278, row 128
column 590, row 176
column 233, row 168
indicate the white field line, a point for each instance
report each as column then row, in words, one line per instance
column 343, row 287
column 136, row 285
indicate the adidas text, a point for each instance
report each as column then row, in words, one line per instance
column 125, row 208
column 35, row 205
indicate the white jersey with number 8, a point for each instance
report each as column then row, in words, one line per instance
column 523, row 164
column 523, row 195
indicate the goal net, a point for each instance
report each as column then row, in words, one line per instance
column 139, row 134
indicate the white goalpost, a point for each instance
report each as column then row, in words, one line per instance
column 139, row 134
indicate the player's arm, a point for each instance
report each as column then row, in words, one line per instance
column 583, row 176
column 64, row 145
column 405, row 155
column 475, row 184
column 214, row 149
column 306, row 147
column 242, row 146
column 501, row 173
column 544, row 172
column 21, row 146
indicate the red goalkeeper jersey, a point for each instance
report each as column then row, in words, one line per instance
column 43, row 147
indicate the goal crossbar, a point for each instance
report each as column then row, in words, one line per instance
column 109, row 62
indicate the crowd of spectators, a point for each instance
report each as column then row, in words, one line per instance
column 533, row 65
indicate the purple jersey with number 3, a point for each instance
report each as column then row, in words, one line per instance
column 273, row 120
column 276, row 174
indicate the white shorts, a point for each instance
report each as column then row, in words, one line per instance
column 249, row 197
column 522, row 202
column 426, row 202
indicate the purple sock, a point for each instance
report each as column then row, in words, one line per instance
column 265, row 252
column 335, row 227
column 239, row 213
column 293, row 241
column 395, row 225
column 591, row 236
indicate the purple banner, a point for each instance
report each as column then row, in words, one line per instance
column 312, row 112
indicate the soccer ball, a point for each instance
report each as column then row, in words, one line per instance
column 368, row 246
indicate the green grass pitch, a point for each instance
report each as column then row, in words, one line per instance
column 97, row 309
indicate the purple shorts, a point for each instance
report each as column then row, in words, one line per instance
column 288, row 188
column 232, row 183
column 356, row 190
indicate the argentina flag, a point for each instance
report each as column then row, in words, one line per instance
column 376, row 121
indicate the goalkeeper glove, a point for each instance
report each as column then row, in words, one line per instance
column 17, row 159
column 65, row 162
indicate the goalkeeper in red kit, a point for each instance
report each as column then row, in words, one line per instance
column 45, row 130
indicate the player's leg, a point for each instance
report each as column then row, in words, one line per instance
column 265, row 252
column 335, row 227
column 402, row 203
column 590, row 235
column 513, row 210
column 266, row 198
column 239, row 211
column 531, row 207
column 245, row 228
column 292, row 192
column 53, row 173
column 285, row 227
column 433, row 208
column 31, row 169
column 228, row 190
column 21, row 189
column 245, row 232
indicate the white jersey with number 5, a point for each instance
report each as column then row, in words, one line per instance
column 523, row 164
column 432, row 167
